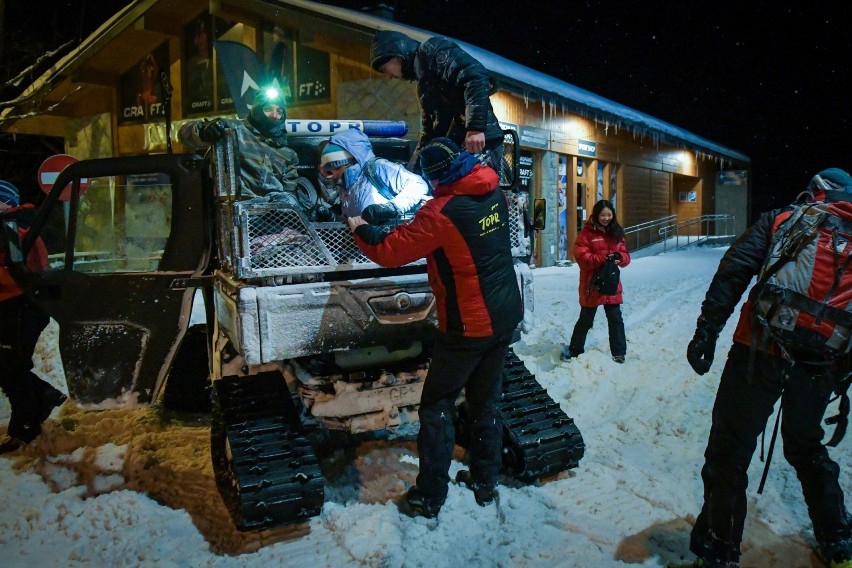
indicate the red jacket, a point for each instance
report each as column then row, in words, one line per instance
column 36, row 259
column 464, row 234
column 590, row 250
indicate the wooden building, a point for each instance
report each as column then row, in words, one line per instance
column 106, row 98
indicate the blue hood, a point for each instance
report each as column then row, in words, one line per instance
column 356, row 143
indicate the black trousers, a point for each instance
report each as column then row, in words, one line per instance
column 21, row 323
column 477, row 366
column 617, row 339
column 740, row 414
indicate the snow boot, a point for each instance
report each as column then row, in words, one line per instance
column 704, row 563
column 10, row 444
column 567, row 353
column 484, row 494
column 834, row 558
column 618, row 358
column 421, row 504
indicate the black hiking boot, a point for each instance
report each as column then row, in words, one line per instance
column 48, row 399
column 10, row 444
column 567, row 353
column 484, row 494
column 421, row 504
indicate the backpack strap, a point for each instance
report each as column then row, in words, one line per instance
column 842, row 417
column 771, row 448
column 372, row 173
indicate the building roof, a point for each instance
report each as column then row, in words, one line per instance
column 511, row 76
column 534, row 85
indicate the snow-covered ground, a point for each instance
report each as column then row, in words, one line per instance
column 134, row 487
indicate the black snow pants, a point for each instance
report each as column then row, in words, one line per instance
column 740, row 413
column 475, row 364
column 615, row 322
column 21, row 323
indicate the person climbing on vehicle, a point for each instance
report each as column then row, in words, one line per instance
column 601, row 240
column 268, row 167
column 21, row 323
column 780, row 350
column 375, row 188
column 453, row 89
column 464, row 234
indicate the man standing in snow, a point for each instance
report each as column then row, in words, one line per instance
column 464, row 234
column 749, row 389
column 453, row 89
column 21, row 323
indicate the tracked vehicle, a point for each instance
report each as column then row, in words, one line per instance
column 298, row 333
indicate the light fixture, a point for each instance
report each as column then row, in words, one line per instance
column 579, row 167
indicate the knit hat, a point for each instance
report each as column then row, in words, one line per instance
column 9, row 194
column 437, row 156
column 333, row 157
column 836, row 179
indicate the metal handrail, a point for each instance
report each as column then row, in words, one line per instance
column 686, row 230
column 636, row 232
column 717, row 228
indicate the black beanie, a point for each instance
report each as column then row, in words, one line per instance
column 437, row 156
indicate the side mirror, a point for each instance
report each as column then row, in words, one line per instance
column 13, row 240
column 539, row 214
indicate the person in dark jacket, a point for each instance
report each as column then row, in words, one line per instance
column 21, row 323
column 453, row 89
column 268, row 167
column 601, row 239
column 748, row 391
column 464, row 234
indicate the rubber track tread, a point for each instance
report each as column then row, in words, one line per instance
column 539, row 438
column 272, row 476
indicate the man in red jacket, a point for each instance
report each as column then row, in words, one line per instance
column 21, row 323
column 464, row 234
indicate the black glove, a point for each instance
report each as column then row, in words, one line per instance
column 212, row 131
column 380, row 213
column 700, row 350
column 324, row 214
column 613, row 256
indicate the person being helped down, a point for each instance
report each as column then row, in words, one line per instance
column 375, row 188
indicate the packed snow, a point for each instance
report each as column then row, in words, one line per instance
column 135, row 487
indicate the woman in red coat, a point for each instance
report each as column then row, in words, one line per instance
column 601, row 239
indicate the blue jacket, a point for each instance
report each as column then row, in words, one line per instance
column 406, row 189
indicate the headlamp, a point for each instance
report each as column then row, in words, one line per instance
column 272, row 93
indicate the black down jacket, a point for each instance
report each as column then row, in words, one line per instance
column 452, row 86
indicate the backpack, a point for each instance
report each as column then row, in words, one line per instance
column 802, row 296
column 605, row 279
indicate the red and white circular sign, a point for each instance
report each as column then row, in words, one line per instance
column 50, row 169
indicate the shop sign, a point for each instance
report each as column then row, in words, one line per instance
column 733, row 177
column 140, row 89
column 587, row 148
column 534, row 137
column 525, row 169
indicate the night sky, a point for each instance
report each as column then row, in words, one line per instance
column 768, row 79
